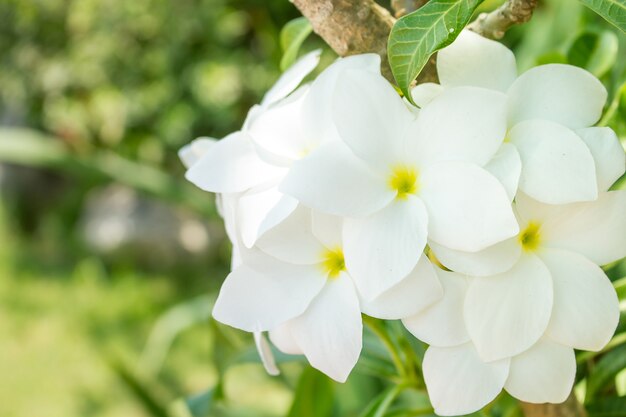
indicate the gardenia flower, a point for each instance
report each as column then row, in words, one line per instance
column 296, row 285
column 549, row 111
column 518, row 329
column 399, row 178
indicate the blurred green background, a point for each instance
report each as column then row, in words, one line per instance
column 109, row 260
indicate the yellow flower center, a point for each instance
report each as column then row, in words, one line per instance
column 530, row 238
column 333, row 262
column 403, row 179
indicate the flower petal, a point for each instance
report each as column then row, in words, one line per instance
column 327, row 229
column 586, row 308
column 561, row 93
column 462, row 124
column 459, row 382
column 442, row 323
column 292, row 240
column 420, row 289
column 317, row 108
column 382, row 249
column 495, row 259
column 607, row 153
column 261, row 209
column 557, row 166
column 468, row 208
column 477, row 61
column 595, row 229
column 370, row 117
column 332, row 180
column 543, row 374
column 506, row 166
column 231, row 166
column 282, row 338
column 191, row 153
column 507, row 313
column 425, row 93
column 330, row 332
column 260, row 298
column 291, row 78
column 265, row 353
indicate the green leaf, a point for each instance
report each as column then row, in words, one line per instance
column 596, row 52
column 608, row 407
column 379, row 405
column 605, row 370
column 416, row 36
column 614, row 11
column 200, row 404
column 292, row 36
column 314, row 397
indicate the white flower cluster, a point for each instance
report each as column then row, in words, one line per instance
column 479, row 220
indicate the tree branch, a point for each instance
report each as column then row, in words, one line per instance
column 570, row 408
column 494, row 25
column 355, row 27
column 402, row 7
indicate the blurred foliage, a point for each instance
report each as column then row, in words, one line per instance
column 94, row 92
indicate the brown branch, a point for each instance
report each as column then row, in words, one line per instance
column 494, row 25
column 570, row 408
column 402, row 7
column 355, row 27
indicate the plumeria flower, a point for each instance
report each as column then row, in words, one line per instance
column 549, row 111
column 399, row 178
column 297, row 286
column 282, row 129
column 556, row 288
column 460, row 382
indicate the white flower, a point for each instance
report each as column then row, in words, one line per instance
column 517, row 330
column 549, row 111
column 400, row 179
column 282, row 129
column 300, row 290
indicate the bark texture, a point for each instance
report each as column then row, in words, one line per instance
column 402, row 7
column 495, row 24
column 570, row 408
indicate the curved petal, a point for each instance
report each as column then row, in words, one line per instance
column 557, row 166
column 506, row 314
column 458, row 382
column 332, row 180
column 586, row 308
column 291, row 78
column 278, row 132
column 607, row 153
column 543, row 374
column 191, row 153
column 292, row 241
column 506, row 166
column 462, row 124
column 595, row 229
column 265, row 353
column 561, row 93
column 477, row 61
column 420, row 289
column 282, row 338
column 259, row 210
column 327, row 229
column 442, row 323
column 493, row 260
column 468, row 208
column 425, row 93
column 317, row 108
column 330, row 332
column 257, row 300
column 382, row 249
column 370, row 117
column 231, row 166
